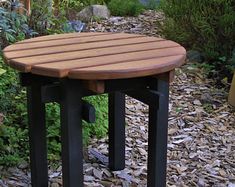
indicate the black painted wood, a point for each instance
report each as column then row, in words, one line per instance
column 157, row 141
column 69, row 93
column 88, row 112
column 71, row 133
column 116, row 131
column 28, row 79
column 37, row 137
column 51, row 93
column 121, row 85
column 146, row 96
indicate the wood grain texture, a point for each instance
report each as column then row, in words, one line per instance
column 131, row 69
column 95, row 56
column 83, row 58
column 61, row 69
column 59, row 36
column 82, row 46
column 66, row 41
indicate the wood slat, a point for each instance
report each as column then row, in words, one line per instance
column 76, row 47
column 95, row 56
column 61, row 36
column 67, row 41
column 61, row 69
column 27, row 62
column 128, row 69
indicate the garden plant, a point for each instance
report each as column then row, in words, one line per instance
column 206, row 26
column 13, row 113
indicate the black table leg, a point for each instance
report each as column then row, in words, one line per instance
column 37, row 137
column 71, row 134
column 158, row 126
column 116, row 131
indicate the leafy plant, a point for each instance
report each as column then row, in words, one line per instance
column 125, row 8
column 100, row 127
column 206, row 26
column 46, row 19
column 13, row 26
column 14, row 131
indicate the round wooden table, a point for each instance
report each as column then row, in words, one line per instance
column 66, row 67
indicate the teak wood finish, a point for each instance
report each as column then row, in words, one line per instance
column 65, row 68
column 95, row 56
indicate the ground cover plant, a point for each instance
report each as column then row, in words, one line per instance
column 205, row 26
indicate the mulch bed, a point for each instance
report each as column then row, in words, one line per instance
column 201, row 148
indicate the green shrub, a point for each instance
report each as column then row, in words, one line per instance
column 125, row 8
column 13, row 26
column 14, row 131
column 207, row 26
column 100, row 127
column 43, row 20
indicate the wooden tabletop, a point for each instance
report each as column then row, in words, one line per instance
column 95, row 56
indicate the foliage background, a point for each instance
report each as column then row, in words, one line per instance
column 206, row 26
column 125, row 8
column 14, row 131
column 13, row 126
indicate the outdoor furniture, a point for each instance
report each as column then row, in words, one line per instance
column 64, row 68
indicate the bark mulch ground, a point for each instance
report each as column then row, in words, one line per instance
column 201, row 148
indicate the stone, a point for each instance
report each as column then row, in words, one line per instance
column 93, row 11
column 231, row 185
column 77, row 25
column 97, row 173
column 206, row 98
column 195, row 56
column 2, row 183
column 88, row 178
column 115, row 19
column 23, row 165
column 55, row 185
